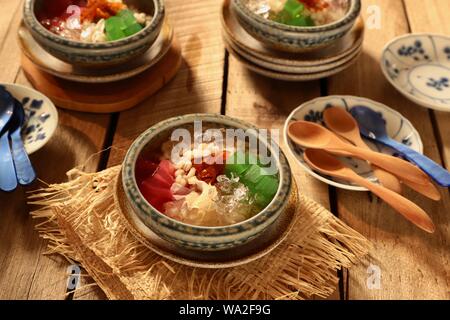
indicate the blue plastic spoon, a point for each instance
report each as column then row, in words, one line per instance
column 373, row 126
column 24, row 170
column 8, row 180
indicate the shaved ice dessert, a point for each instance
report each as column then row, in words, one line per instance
column 92, row 21
column 205, row 184
column 300, row 13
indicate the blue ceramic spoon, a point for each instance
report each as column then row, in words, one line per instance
column 24, row 170
column 373, row 126
column 8, row 180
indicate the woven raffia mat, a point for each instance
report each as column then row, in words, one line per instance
column 82, row 222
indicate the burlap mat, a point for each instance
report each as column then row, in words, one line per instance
column 82, row 222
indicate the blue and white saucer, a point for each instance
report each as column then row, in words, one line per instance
column 41, row 116
column 418, row 65
column 398, row 128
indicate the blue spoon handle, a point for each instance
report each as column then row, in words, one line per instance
column 24, row 170
column 434, row 170
column 8, row 180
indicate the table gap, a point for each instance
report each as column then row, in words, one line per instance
column 108, row 141
column 332, row 196
column 226, row 61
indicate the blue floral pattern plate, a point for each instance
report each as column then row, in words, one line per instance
column 418, row 65
column 41, row 116
column 398, row 127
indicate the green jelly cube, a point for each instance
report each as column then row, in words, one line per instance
column 267, row 185
column 114, row 23
column 132, row 29
column 265, row 190
column 301, row 21
column 115, row 35
column 294, row 7
column 238, row 163
column 252, row 175
column 127, row 17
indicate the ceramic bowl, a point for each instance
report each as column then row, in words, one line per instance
column 97, row 54
column 197, row 237
column 292, row 38
column 418, row 65
column 40, row 114
column 398, row 128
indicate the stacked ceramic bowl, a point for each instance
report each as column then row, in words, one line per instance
column 293, row 53
column 94, row 61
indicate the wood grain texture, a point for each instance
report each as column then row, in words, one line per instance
column 26, row 273
column 432, row 16
column 267, row 103
column 105, row 97
column 414, row 265
column 198, row 85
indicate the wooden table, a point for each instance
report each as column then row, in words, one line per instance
column 413, row 264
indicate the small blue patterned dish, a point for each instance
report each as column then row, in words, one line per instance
column 418, row 65
column 398, row 128
column 97, row 54
column 41, row 117
column 293, row 38
column 197, row 237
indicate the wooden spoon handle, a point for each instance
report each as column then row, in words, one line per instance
column 397, row 166
column 405, row 207
column 386, row 178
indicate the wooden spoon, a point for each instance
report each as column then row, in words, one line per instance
column 342, row 123
column 329, row 165
column 314, row 136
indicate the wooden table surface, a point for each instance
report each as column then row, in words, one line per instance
column 413, row 264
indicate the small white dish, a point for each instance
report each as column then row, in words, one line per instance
column 398, row 127
column 41, row 116
column 418, row 65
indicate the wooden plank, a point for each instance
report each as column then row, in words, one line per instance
column 267, row 103
column 412, row 263
column 198, row 85
column 196, row 88
column 431, row 16
column 26, row 274
column 9, row 51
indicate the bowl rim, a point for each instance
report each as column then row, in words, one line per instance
column 420, row 101
column 144, row 139
column 35, row 25
column 351, row 15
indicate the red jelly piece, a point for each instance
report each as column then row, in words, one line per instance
column 167, row 168
column 144, row 169
column 156, row 195
column 209, row 170
column 157, row 181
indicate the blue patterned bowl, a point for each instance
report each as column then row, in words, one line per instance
column 97, row 54
column 292, row 38
column 196, row 237
column 418, row 65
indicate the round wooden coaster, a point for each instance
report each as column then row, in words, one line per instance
column 105, row 97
